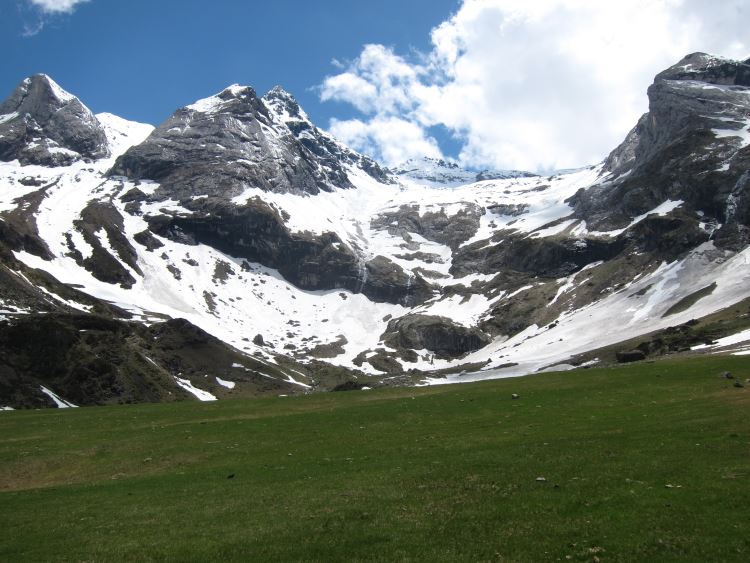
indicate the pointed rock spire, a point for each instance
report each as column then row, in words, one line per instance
column 40, row 123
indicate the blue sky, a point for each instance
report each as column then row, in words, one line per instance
column 142, row 59
column 533, row 85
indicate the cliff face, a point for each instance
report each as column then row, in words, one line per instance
column 691, row 146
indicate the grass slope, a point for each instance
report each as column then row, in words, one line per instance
column 644, row 462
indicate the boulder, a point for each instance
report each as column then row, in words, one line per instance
column 627, row 356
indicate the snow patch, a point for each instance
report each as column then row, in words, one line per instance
column 660, row 210
column 61, row 403
column 737, row 338
column 199, row 394
column 62, row 95
column 224, row 383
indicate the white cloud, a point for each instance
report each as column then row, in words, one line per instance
column 42, row 12
column 532, row 85
column 57, row 6
column 391, row 138
column 378, row 81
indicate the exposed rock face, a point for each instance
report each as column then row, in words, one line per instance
column 235, row 140
column 437, row 334
column 255, row 231
column 451, row 230
column 691, row 146
column 327, row 150
column 40, row 123
column 387, row 281
column 545, row 257
column 222, row 145
column 18, row 229
column 100, row 219
column 698, row 93
column 511, row 209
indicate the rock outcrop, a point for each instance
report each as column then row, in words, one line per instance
column 440, row 335
column 40, row 123
column 437, row 226
column 330, row 153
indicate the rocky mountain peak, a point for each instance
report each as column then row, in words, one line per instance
column 283, row 104
column 224, row 144
column 234, row 100
column 707, row 68
column 41, row 123
column 701, row 94
column 38, row 94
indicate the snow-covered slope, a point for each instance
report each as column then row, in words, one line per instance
column 243, row 218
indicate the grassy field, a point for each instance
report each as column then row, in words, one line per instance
column 648, row 462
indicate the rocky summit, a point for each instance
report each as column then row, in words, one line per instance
column 40, row 123
column 236, row 249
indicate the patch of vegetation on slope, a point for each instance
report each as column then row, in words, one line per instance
column 93, row 360
column 688, row 301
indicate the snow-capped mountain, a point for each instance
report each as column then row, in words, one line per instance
column 438, row 172
column 237, row 248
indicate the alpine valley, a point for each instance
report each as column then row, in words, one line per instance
column 237, row 249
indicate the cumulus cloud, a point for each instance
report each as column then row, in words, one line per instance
column 392, row 138
column 42, row 11
column 531, row 85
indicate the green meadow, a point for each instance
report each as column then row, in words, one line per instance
column 645, row 462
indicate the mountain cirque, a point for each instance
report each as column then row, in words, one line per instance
column 238, row 249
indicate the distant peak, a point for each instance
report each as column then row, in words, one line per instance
column 57, row 91
column 700, row 59
column 442, row 163
column 439, row 171
column 46, row 125
column 278, row 91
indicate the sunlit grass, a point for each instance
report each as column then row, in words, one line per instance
column 645, row 462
